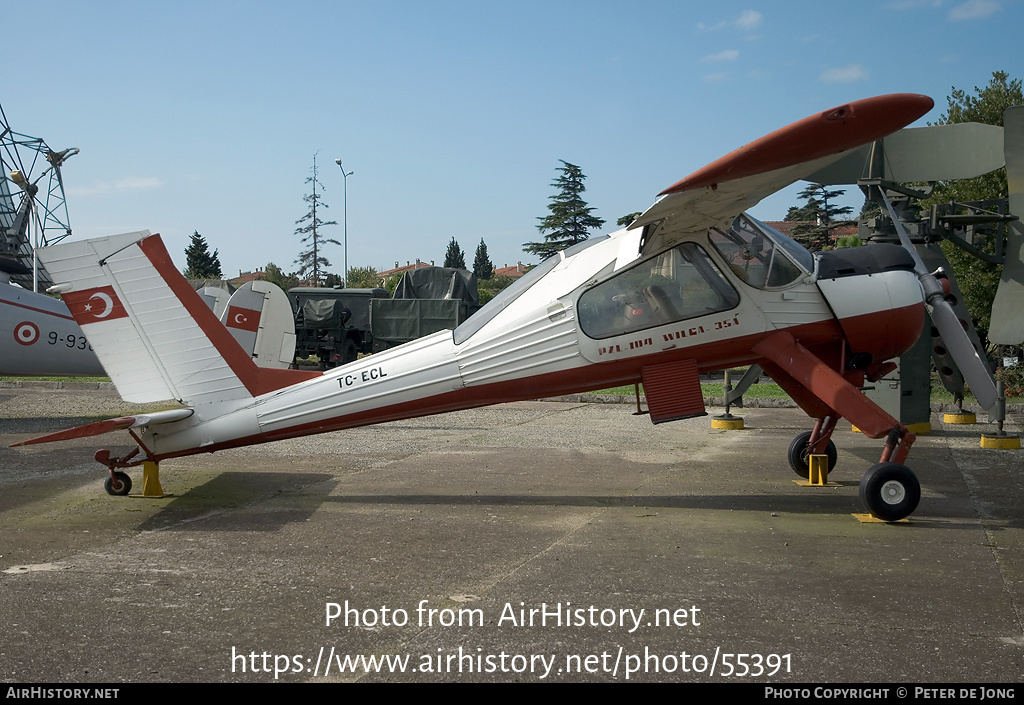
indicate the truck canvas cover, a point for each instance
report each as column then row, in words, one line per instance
column 438, row 283
column 323, row 313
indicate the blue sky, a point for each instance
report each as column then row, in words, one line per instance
column 453, row 115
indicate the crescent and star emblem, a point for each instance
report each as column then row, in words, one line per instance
column 95, row 305
column 108, row 305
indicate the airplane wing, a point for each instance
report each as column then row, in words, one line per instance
column 717, row 193
column 100, row 427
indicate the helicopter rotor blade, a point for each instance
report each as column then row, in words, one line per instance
column 955, row 338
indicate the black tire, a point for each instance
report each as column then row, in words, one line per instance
column 798, row 455
column 349, row 352
column 890, row 491
column 119, row 485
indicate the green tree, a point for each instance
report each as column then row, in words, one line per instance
column 363, row 278
column 391, row 283
column 312, row 263
column 849, row 241
column 489, row 288
column 808, row 211
column 977, row 278
column 274, row 274
column 628, row 218
column 570, row 217
column 454, row 257
column 819, row 217
column 483, row 267
column 200, row 264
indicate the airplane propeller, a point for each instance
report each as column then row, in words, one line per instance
column 955, row 338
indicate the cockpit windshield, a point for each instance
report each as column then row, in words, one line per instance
column 675, row 285
column 760, row 255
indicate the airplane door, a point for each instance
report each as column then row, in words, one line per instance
column 676, row 299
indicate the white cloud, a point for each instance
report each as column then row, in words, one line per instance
column 974, row 10
column 845, row 74
column 129, row 183
column 727, row 55
column 716, row 77
column 749, row 19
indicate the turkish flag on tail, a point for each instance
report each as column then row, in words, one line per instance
column 95, row 305
column 243, row 318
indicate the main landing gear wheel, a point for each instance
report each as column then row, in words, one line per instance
column 890, row 491
column 799, row 457
column 118, row 485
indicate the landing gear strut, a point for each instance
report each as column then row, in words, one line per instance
column 889, row 490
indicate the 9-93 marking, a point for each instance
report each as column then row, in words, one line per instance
column 77, row 342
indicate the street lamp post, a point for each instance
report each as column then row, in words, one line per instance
column 344, row 176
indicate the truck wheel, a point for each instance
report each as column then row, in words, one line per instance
column 349, row 353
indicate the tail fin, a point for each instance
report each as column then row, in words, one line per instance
column 153, row 334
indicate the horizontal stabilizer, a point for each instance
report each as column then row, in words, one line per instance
column 98, row 428
column 1007, row 313
column 934, row 153
column 260, row 318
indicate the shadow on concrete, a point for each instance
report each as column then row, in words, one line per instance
column 244, row 501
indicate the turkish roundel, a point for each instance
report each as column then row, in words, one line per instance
column 95, row 305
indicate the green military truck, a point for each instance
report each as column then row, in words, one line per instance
column 426, row 300
column 336, row 325
column 332, row 324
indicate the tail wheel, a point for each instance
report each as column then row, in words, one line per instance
column 120, row 484
column 890, row 491
column 799, row 455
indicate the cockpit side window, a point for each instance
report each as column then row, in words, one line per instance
column 678, row 284
column 760, row 256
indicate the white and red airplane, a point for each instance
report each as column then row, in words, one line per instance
column 691, row 286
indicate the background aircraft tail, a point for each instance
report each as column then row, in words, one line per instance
column 154, row 335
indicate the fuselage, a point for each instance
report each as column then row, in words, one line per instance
column 592, row 317
column 38, row 336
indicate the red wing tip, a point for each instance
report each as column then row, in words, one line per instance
column 885, row 114
column 910, row 104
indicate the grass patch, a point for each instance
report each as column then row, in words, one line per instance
column 770, row 390
column 712, row 389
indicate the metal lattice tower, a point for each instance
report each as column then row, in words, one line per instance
column 33, row 210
